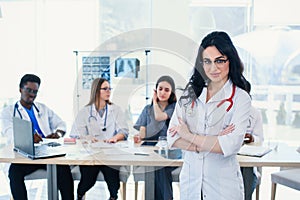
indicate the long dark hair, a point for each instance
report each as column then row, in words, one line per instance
column 199, row 80
column 169, row 80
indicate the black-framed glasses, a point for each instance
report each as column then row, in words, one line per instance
column 217, row 62
column 30, row 91
column 106, row 89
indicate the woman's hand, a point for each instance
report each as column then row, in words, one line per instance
column 181, row 129
column 227, row 130
column 111, row 140
column 93, row 140
column 154, row 97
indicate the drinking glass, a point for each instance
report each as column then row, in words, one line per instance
column 163, row 146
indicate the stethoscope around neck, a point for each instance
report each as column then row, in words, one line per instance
column 94, row 117
column 16, row 108
column 230, row 100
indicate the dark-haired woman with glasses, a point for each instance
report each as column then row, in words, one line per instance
column 100, row 120
column 209, row 123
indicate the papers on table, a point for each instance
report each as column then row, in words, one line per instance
column 123, row 148
column 101, row 144
column 251, row 150
column 50, row 140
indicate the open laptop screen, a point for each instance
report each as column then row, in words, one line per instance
column 24, row 142
column 23, row 136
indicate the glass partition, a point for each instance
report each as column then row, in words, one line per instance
column 42, row 37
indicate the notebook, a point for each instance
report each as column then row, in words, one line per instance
column 256, row 151
column 24, row 142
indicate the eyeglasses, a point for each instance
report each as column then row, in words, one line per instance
column 30, row 91
column 106, row 89
column 218, row 62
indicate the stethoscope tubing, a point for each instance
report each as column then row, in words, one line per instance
column 16, row 108
column 228, row 99
column 92, row 116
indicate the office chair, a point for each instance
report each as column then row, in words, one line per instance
column 259, row 176
column 287, row 177
column 138, row 175
column 124, row 174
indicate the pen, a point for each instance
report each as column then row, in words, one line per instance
column 141, row 154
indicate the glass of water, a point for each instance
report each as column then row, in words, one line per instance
column 163, row 146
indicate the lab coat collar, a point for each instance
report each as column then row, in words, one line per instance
column 220, row 95
column 21, row 108
column 109, row 108
column 25, row 114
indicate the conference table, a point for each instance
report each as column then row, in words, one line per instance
column 124, row 155
column 119, row 154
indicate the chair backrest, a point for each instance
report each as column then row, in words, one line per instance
column 38, row 174
column 124, row 173
column 139, row 171
column 42, row 174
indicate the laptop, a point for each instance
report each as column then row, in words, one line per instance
column 24, row 142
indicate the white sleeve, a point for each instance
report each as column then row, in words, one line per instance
column 174, row 122
column 232, row 142
column 121, row 123
column 7, row 124
column 257, row 131
column 79, row 126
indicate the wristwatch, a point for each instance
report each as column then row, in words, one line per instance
column 60, row 133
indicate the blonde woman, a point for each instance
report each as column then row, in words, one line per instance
column 102, row 120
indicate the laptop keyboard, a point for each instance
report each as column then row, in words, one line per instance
column 41, row 150
column 45, row 150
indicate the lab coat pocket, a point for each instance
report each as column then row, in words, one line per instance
column 190, row 178
column 231, row 183
column 184, row 178
column 93, row 129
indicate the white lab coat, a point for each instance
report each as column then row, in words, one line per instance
column 217, row 176
column 255, row 125
column 89, row 122
column 48, row 121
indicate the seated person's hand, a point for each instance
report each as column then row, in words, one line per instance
column 111, row 140
column 93, row 140
column 37, row 138
column 248, row 138
column 53, row 135
column 137, row 138
column 56, row 135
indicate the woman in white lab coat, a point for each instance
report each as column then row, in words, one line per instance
column 101, row 120
column 209, row 123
